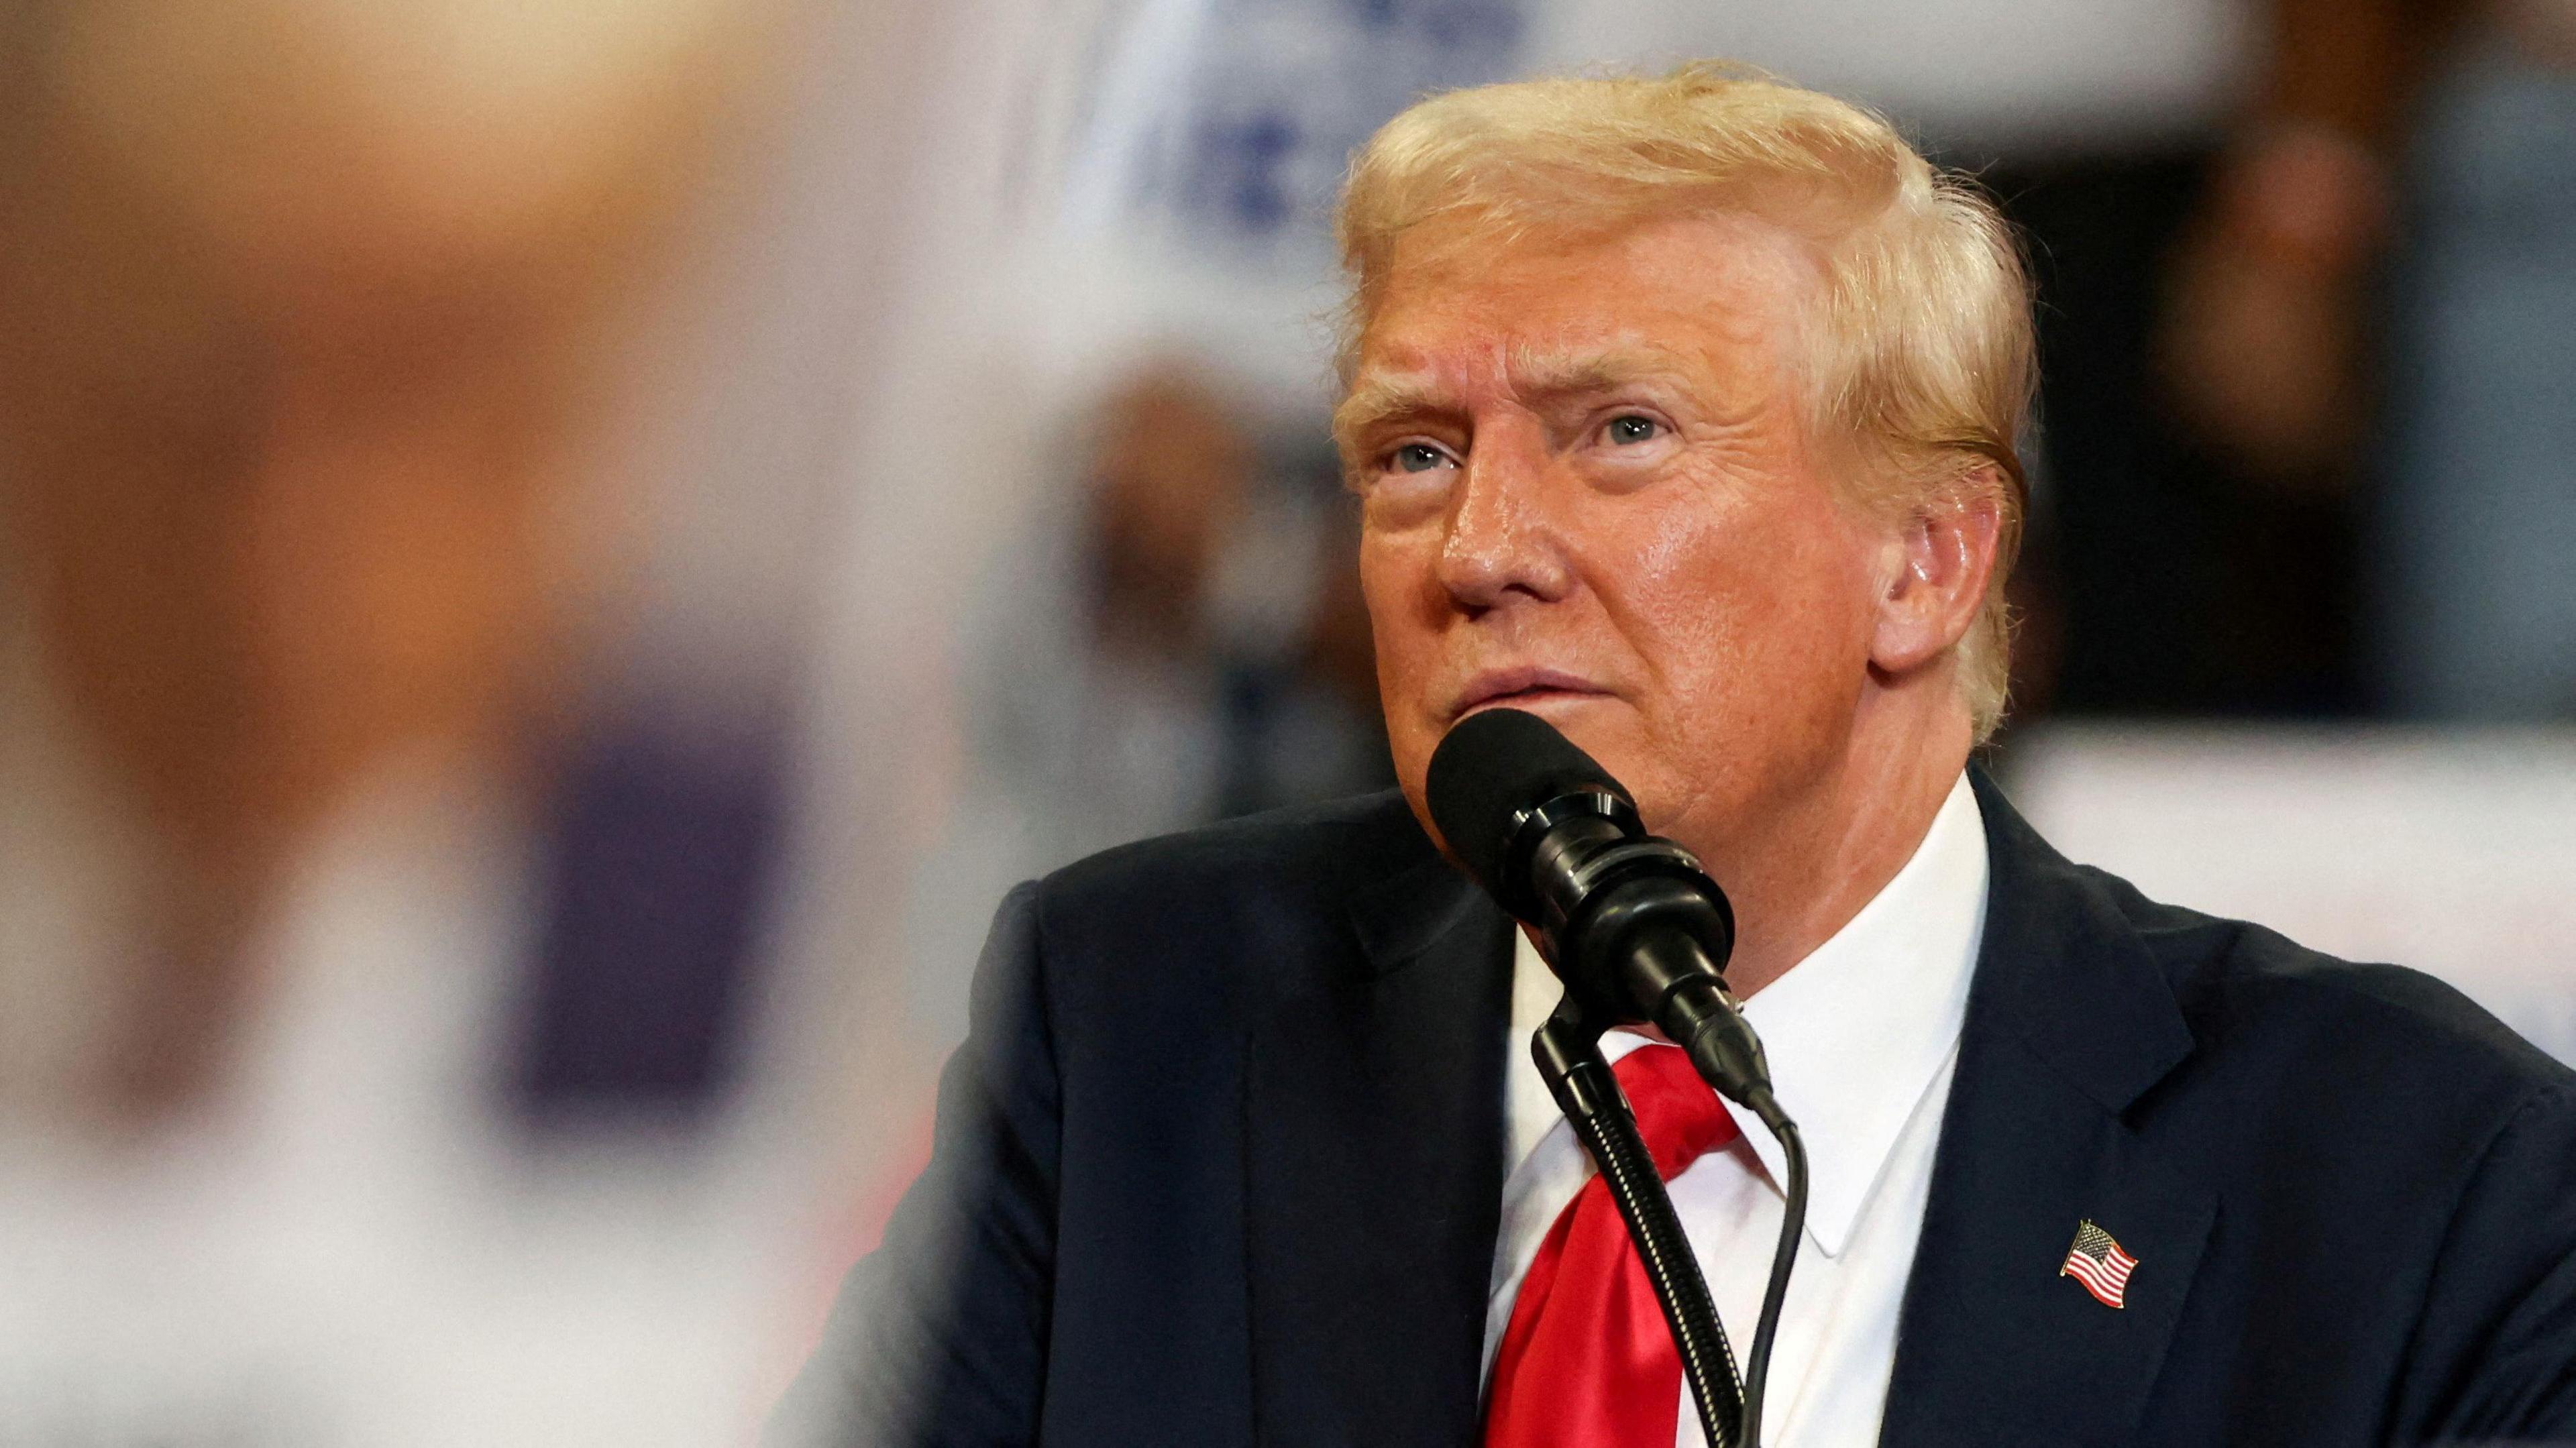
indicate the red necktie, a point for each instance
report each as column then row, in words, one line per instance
column 1586, row 1361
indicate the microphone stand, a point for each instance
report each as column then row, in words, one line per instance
column 1568, row 1052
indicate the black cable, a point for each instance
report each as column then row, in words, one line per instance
column 1784, row 1257
column 1569, row 1058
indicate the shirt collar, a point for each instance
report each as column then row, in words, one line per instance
column 1860, row 1029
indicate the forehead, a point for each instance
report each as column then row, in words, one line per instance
column 1458, row 305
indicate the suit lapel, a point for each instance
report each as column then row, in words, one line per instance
column 1374, row 1172
column 2069, row 1022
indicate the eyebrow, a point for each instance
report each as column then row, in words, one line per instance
column 1535, row 374
column 1378, row 397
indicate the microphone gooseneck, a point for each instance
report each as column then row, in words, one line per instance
column 1569, row 1059
column 1637, row 932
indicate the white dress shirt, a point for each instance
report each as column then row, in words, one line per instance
column 1862, row 1037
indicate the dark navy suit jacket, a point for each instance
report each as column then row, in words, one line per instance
column 1222, row 1160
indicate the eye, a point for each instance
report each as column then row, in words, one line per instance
column 1624, row 431
column 1417, row 457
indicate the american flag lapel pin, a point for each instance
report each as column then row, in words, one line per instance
column 2097, row 1262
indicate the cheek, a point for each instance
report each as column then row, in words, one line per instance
column 1405, row 621
column 1395, row 582
column 1759, row 608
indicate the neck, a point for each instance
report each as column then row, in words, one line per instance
column 1827, row 850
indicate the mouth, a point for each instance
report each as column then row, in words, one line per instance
column 1521, row 688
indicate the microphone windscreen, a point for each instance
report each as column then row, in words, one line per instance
column 1492, row 765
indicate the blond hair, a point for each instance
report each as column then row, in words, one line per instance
column 1922, row 349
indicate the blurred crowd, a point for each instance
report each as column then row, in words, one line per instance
column 556, row 561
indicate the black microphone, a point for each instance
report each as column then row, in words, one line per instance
column 1629, row 921
column 1637, row 931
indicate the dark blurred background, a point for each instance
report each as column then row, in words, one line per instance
column 556, row 561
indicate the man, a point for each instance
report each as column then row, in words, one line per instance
column 1681, row 414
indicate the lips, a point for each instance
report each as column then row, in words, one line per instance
column 1520, row 687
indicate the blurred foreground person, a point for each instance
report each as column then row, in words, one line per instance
column 1682, row 412
column 311, row 311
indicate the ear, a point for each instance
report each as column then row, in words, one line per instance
column 1941, row 557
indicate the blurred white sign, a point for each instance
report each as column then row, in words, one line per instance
column 2454, row 853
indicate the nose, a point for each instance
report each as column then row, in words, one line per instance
column 1500, row 547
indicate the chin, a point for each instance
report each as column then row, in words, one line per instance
column 1614, row 733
